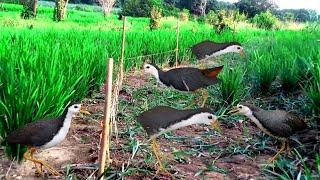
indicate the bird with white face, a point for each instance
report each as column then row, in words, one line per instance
column 186, row 79
column 207, row 50
column 276, row 123
column 162, row 119
column 45, row 133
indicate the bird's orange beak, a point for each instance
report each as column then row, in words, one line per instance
column 216, row 125
column 84, row 111
column 242, row 54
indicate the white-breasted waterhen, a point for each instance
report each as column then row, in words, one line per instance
column 44, row 133
column 276, row 123
column 161, row 119
column 186, row 79
column 207, row 49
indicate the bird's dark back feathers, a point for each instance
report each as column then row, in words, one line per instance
column 189, row 79
column 279, row 123
column 163, row 117
column 37, row 133
column 207, row 48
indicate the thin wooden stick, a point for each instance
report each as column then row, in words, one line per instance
column 177, row 44
column 105, row 140
column 119, row 80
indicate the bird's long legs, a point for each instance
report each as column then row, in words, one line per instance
column 39, row 170
column 158, row 155
column 29, row 156
column 205, row 95
column 283, row 147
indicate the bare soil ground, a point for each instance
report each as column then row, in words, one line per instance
column 194, row 156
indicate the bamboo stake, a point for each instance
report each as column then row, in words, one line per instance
column 177, row 45
column 119, row 80
column 105, row 140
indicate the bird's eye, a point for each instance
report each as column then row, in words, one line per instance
column 148, row 67
column 76, row 106
column 240, row 107
column 238, row 48
column 210, row 117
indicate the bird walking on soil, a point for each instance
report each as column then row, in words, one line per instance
column 276, row 123
column 44, row 133
column 162, row 119
column 186, row 79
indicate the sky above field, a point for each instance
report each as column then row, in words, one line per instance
column 294, row 4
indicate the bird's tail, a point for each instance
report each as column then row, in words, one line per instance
column 212, row 72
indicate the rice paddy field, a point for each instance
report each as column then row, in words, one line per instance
column 44, row 65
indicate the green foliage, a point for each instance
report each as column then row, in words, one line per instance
column 254, row 7
column 266, row 20
column 184, row 15
column 211, row 18
column 46, row 79
column 170, row 10
column 313, row 91
column 29, row 9
column 140, row 8
column 289, row 73
column 231, row 87
column 155, row 18
column 264, row 71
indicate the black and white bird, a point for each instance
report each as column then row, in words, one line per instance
column 208, row 49
column 187, row 79
column 44, row 133
column 276, row 123
column 162, row 119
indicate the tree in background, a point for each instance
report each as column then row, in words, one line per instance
column 155, row 17
column 300, row 15
column 199, row 7
column 60, row 10
column 107, row 6
column 253, row 7
column 29, row 8
column 140, row 8
column 266, row 20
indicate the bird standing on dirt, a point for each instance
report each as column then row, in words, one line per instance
column 208, row 49
column 44, row 133
column 186, row 79
column 161, row 119
column 276, row 123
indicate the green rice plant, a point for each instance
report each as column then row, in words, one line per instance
column 299, row 169
column 39, row 81
column 263, row 70
column 289, row 74
column 231, row 87
column 313, row 90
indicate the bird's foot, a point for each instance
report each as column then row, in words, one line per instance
column 39, row 170
column 50, row 169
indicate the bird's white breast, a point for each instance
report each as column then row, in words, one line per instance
column 62, row 133
column 183, row 123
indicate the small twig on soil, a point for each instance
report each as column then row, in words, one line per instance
column 10, row 167
column 91, row 175
column 83, row 166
